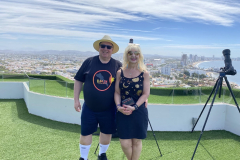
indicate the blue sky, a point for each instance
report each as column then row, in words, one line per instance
column 164, row 27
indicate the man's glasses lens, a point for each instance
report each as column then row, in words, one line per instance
column 131, row 53
column 103, row 46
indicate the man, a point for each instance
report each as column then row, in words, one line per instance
column 98, row 74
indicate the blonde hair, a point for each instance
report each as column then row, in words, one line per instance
column 141, row 66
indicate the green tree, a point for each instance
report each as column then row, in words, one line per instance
column 186, row 73
column 194, row 74
column 201, row 76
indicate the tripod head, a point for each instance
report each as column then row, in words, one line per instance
column 228, row 69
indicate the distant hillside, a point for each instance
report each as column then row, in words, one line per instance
column 79, row 53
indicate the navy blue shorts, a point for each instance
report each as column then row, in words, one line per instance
column 90, row 121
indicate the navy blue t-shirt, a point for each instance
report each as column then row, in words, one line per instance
column 99, row 82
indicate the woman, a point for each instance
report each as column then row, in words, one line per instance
column 132, row 81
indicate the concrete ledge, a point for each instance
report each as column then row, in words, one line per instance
column 162, row 117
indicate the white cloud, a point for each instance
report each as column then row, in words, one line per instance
column 220, row 12
column 213, row 46
column 8, row 36
column 57, row 13
column 88, row 18
column 66, row 33
column 192, row 46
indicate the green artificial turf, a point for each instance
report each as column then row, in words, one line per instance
column 29, row 137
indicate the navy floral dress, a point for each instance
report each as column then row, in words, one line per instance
column 136, row 124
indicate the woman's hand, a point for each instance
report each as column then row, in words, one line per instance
column 129, row 108
column 125, row 110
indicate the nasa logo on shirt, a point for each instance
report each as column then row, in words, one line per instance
column 102, row 80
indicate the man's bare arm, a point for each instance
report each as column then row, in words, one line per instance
column 77, row 90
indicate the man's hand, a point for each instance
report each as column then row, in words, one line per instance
column 77, row 106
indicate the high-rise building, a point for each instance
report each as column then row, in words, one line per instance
column 184, row 59
column 191, row 57
column 195, row 58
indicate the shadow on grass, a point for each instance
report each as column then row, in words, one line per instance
column 207, row 151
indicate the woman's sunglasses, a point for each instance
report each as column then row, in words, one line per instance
column 130, row 53
column 103, row 46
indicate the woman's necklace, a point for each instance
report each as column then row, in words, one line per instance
column 130, row 72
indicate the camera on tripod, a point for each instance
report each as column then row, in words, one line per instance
column 228, row 69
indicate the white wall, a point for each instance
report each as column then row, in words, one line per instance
column 179, row 117
column 232, row 122
column 51, row 107
column 11, row 90
column 162, row 117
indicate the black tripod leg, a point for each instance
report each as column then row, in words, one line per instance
column 96, row 149
column 220, row 90
column 205, row 104
column 229, row 87
column 155, row 139
column 218, row 85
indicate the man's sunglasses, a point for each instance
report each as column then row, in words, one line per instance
column 131, row 53
column 103, row 46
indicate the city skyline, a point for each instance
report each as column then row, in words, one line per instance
column 160, row 27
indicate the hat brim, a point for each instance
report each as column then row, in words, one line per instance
column 96, row 45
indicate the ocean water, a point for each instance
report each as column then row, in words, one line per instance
column 219, row 64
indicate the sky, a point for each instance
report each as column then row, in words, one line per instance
column 163, row 27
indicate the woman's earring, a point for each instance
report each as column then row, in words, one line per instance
column 127, row 65
column 138, row 66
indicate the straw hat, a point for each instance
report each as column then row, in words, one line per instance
column 106, row 38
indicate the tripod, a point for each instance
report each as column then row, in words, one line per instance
column 217, row 85
column 153, row 135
